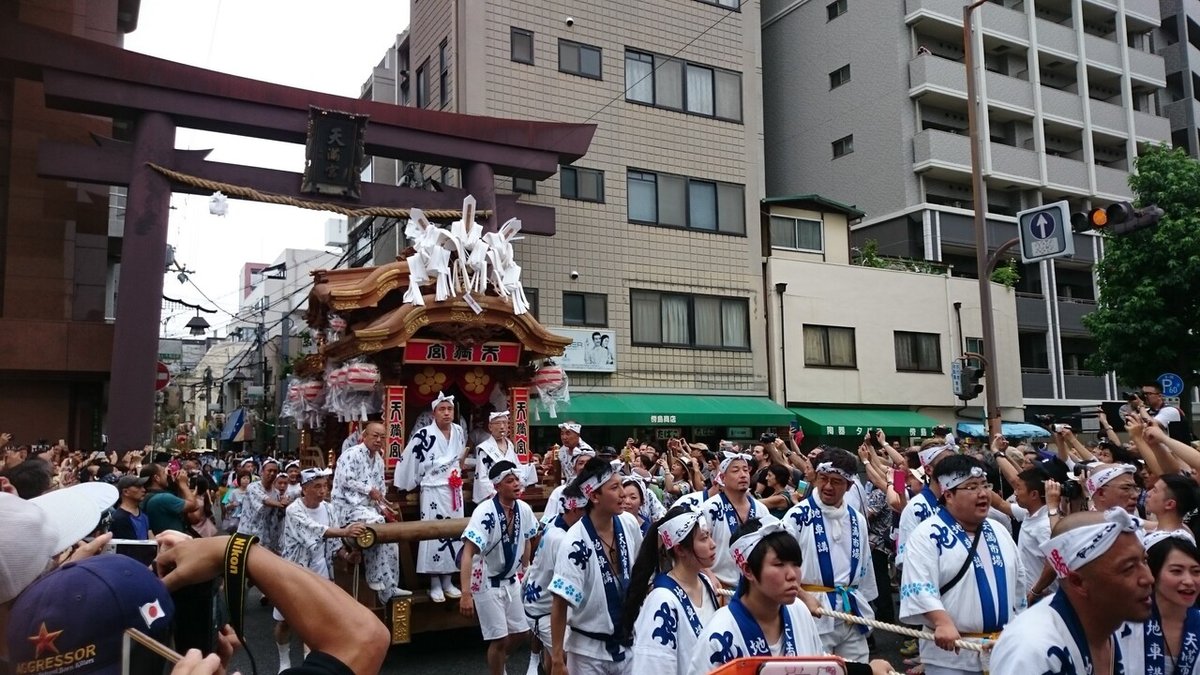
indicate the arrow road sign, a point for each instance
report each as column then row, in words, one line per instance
column 1045, row 233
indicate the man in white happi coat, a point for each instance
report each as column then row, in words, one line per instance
column 359, row 494
column 569, row 509
column 836, row 562
column 496, row 547
column 497, row 447
column 570, row 447
column 261, row 506
column 311, row 539
column 962, row 574
column 1104, row 581
column 591, row 579
column 554, row 502
column 926, row 502
column 729, row 509
column 431, row 462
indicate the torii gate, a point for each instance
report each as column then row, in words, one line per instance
column 157, row 96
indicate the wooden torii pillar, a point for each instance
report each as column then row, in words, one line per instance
column 157, row 96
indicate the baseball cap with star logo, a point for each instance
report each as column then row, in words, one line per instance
column 73, row 619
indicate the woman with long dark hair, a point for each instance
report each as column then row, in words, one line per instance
column 670, row 599
column 1169, row 643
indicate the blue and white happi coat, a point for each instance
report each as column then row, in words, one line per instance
column 1144, row 646
column 669, row 626
column 724, row 521
column 918, row 509
column 429, row 462
column 984, row 600
column 834, row 546
column 728, row 636
column 500, row 549
column 580, row 580
column 1047, row 639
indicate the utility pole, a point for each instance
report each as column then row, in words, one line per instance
column 283, row 431
column 979, row 195
column 259, row 442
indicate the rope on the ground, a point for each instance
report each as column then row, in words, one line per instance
column 969, row 644
column 271, row 198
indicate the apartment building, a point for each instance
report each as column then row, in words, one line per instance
column 1071, row 98
column 657, row 246
column 848, row 357
column 1178, row 42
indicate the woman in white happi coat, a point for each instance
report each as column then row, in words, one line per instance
column 554, row 501
column 670, row 599
column 591, row 579
column 957, row 593
column 641, row 502
column 497, row 447
column 1169, row 642
column 430, row 461
column 311, row 539
column 837, row 567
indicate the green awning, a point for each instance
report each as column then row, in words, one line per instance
column 669, row 410
column 854, row 422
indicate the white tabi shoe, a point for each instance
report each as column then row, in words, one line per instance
column 436, row 595
column 452, row 591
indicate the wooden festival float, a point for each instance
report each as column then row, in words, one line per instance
column 448, row 315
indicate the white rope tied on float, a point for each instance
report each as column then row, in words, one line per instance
column 970, row 643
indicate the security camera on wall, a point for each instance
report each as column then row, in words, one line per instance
column 574, row 274
column 570, row 22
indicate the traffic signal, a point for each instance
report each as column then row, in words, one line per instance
column 1117, row 218
column 967, row 385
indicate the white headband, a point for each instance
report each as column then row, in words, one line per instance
column 929, row 454
column 828, row 467
column 248, row 460
column 497, row 415
column 270, row 460
column 589, row 486
column 674, row 531
column 572, row 503
column 441, row 398
column 309, row 475
column 294, row 462
column 505, row 474
column 578, row 452
column 953, row 480
column 571, row 426
column 731, row 457
column 1158, row 536
column 1105, row 476
column 744, row 546
column 1071, row 550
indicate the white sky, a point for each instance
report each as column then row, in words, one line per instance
column 313, row 44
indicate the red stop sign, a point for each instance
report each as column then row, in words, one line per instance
column 162, row 377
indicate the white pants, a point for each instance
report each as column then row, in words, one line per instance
column 846, row 641
column 578, row 664
column 541, row 630
column 500, row 610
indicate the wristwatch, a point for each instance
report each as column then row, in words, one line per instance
column 1053, row 513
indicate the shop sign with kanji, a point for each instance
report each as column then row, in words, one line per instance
column 333, row 154
column 449, row 353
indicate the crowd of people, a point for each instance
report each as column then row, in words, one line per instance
column 1072, row 557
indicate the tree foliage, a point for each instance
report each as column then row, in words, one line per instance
column 1148, row 318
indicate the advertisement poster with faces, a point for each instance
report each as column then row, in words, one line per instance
column 591, row 350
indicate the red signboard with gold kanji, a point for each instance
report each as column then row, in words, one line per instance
column 449, row 353
column 519, row 399
column 393, row 410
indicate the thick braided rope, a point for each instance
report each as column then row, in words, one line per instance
column 969, row 644
column 269, row 198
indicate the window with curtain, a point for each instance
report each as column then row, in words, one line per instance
column 829, row 347
column 583, row 184
column 692, row 321
column 796, row 233
column 679, row 201
column 579, row 59
column 665, row 82
column 921, row 352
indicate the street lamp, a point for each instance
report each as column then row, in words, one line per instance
column 197, row 325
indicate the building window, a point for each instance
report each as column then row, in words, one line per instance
column 975, row 345
column 531, row 294
column 735, row 5
column 423, row 84
column 843, row 146
column 444, row 73
column 835, row 9
column 585, row 309
column 921, row 352
column 521, row 45
column 829, row 347
column 679, row 201
column 579, row 59
column 691, row 321
column 674, row 84
column 586, row 185
column 839, row 77
column 800, row 234
column 525, row 186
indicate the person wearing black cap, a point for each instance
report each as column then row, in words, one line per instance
column 128, row 519
column 496, row 545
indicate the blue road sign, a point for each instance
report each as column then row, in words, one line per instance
column 1045, row 232
column 1171, row 384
